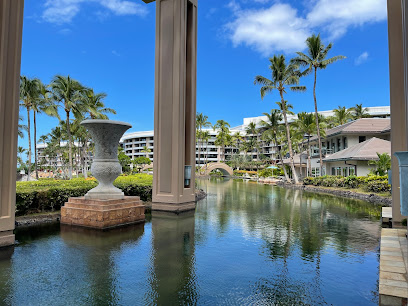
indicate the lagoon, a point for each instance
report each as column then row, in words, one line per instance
column 246, row 244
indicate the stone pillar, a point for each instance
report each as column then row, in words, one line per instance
column 175, row 104
column 396, row 32
column 11, row 26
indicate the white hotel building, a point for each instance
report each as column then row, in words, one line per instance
column 133, row 143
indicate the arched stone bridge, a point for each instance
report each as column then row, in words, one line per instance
column 224, row 168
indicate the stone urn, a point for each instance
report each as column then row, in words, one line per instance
column 105, row 167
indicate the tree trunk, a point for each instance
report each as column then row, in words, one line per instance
column 29, row 143
column 281, row 160
column 70, row 165
column 319, row 139
column 308, row 156
column 292, row 162
column 35, row 147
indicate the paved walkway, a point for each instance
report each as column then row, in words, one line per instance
column 393, row 267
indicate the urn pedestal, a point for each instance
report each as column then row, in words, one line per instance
column 105, row 206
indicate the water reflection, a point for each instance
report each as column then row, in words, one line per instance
column 246, row 244
column 174, row 279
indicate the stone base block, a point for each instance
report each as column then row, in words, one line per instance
column 7, row 238
column 174, row 208
column 102, row 214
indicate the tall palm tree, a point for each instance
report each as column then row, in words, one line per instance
column 342, row 115
column 237, row 139
column 68, row 91
column 270, row 130
column 96, row 106
column 205, row 137
column 359, row 112
column 223, row 137
column 306, row 127
column 42, row 104
column 382, row 165
column 252, row 135
column 201, row 122
column 314, row 60
column 29, row 92
column 283, row 76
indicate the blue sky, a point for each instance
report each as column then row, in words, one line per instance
column 109, row 45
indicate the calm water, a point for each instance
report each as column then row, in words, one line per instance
column 247, row 244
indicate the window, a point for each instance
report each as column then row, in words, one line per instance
column 361, row 139
column 338, row 171
column 345, row 145
column 333, row 171
column 338, row 144
column 345, row 171
column 352, row 171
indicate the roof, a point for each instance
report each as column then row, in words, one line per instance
column 361, row 126
column 366, row 150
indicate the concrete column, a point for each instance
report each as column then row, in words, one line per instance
column 396, row 32
column 11, row 26
column 175, row 104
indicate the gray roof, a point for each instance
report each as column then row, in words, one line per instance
column 361, row 126
column 366, row 150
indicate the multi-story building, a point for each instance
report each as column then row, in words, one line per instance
column 137, row 144
column 134, row 143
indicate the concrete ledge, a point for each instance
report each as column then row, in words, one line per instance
column 174, row 208
column 393, row 267
column 7, row 238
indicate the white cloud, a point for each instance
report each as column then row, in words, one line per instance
column 362, row 58
column 280, row 27
column 277, row 28
column 337, row 16
column 64, row 11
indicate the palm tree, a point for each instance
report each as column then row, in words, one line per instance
column 29, row 92
column 205, row 137
column 359, row 112
column 20, row 151
column 314, row 60
column 68, row 91
column 146, row 150
column 201, row 122
column 223, row 137
column 252, row 134
column 42, row 104
column 382, row 165
column 341, row 115
column 21, row 128
column 306, row 127
column 283, row 76
column 94, row 102
column 271, row 128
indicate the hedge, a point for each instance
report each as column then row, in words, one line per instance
column 50, row 195
column 371, row 183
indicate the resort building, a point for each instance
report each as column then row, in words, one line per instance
column 348, row 148
column 135, row 144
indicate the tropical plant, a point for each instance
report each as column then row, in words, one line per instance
column 341, row 115
column 201, row 122
column 140, row 162
column 305, row 128
column 270, row 130
column 359, row 112
column 20, row 152
column 223, row 137
column 283, row 76
column 68, row 91
column 205, row 137
column 21, row 127
column 95, row 104
column 314, row 60
column 41, row 104
column 251, row 137
column 29, row 92
column 146, row 150
column 382, row 165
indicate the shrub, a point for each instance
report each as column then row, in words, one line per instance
column 49, row 195
column 265, row 173
column 242, row 172
column 378, row 186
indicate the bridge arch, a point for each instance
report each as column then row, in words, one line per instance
column 224, row 168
